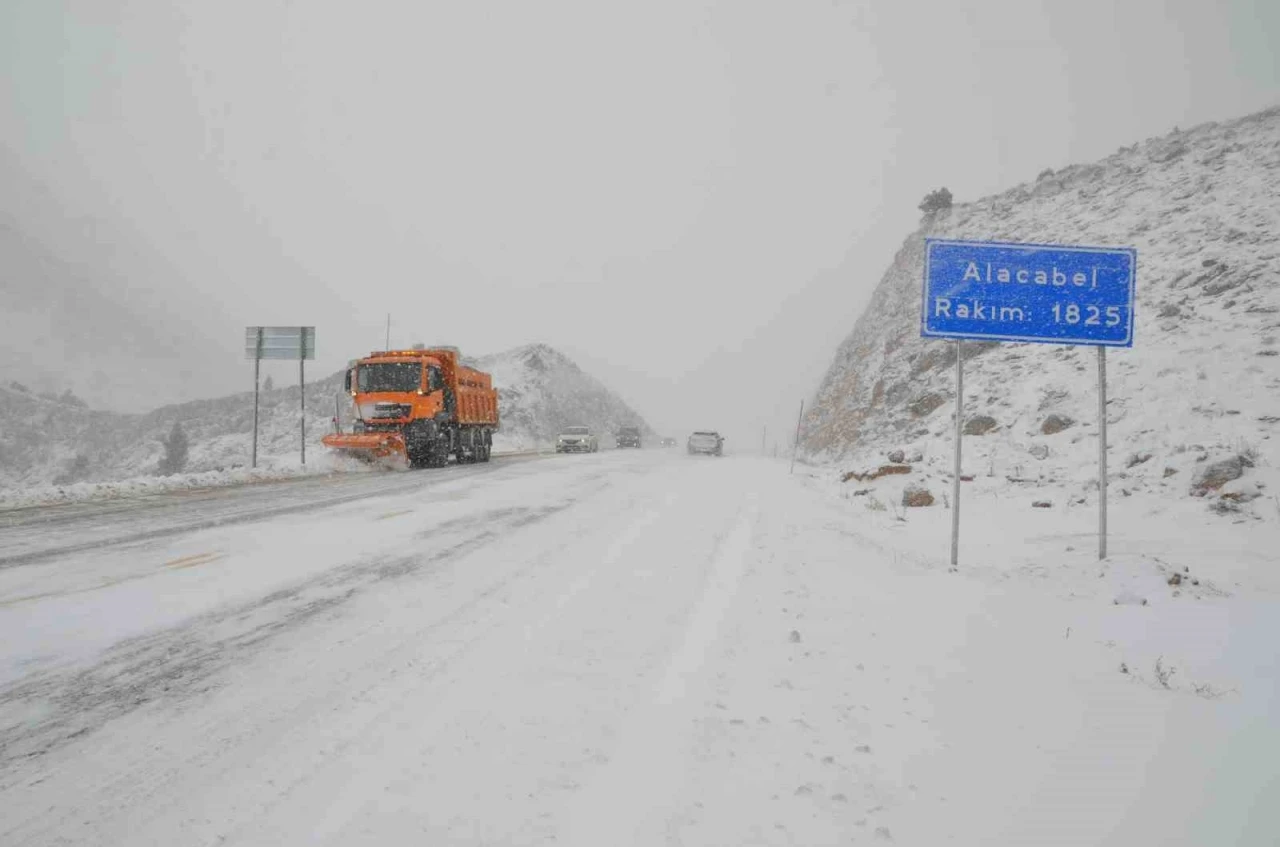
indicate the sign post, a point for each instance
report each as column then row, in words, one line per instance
column 955, row 480
column 1039, row 293
column 302, row 390
column 1102, row 453
column 280, row 342
column 257, row 367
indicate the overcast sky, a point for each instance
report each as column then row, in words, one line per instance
column 691, row 199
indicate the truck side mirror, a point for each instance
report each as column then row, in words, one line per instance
column 346, row 381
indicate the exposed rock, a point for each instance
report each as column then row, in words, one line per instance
column 979, row 425
column 1056, row 423
column 1138, row 459
column 1214, row 476
column 1168, row 472
column 897, row 457
column 870, row 476
column 926, row 404
column 794, row 638
column 1039, row 451
column 1042, row 504
column 1175, row 578
column 1170, row 310
column 916, row 496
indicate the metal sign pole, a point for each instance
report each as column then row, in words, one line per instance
column 1102, row 453
column 302, row 388
column 955, row 482
column 257, row 365
column 795, row 448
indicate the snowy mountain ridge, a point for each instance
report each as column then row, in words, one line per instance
column 541, row 391
column 1200, row 387
column 50, row 442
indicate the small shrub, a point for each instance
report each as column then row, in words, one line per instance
column 936, row 201
column 176, row 448
column 1163, row 673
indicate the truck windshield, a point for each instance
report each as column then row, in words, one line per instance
column 389, row 376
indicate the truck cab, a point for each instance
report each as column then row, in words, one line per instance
column 421, row 403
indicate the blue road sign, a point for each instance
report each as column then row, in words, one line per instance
column 1054, row 294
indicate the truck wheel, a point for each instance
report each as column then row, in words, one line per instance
column 438, row 453
column 417, row 443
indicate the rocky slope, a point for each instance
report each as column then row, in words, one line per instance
column 1201, row 384
column 48, row 440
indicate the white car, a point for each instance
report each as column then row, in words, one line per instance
column 577, row 439
column 706, row 442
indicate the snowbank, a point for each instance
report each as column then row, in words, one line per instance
column 269, row 469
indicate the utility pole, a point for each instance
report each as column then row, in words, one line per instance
column 388, row 344
column 796, row 447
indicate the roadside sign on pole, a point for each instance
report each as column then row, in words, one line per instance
column 995, row 291
column 1040, row 293
column 280, row 342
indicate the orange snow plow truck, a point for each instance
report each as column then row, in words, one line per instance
column 419, row 403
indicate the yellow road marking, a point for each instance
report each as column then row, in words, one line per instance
column 192, row 561
column 176, row 564
column 393, row 514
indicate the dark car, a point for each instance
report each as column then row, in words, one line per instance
column 629, row 436
column 668, row 442
column 706, row 442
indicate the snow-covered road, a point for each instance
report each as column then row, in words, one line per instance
column 33, row 533
column 615, row 649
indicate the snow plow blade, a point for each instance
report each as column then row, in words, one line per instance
column 366, row 445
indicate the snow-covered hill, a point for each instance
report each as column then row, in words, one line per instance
column 541, row 391
column 1200, row 389
column 58, row 442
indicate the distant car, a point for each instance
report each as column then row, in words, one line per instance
column 707, row 443
column 668, row 442
column 629, row 436
column 577, row 439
